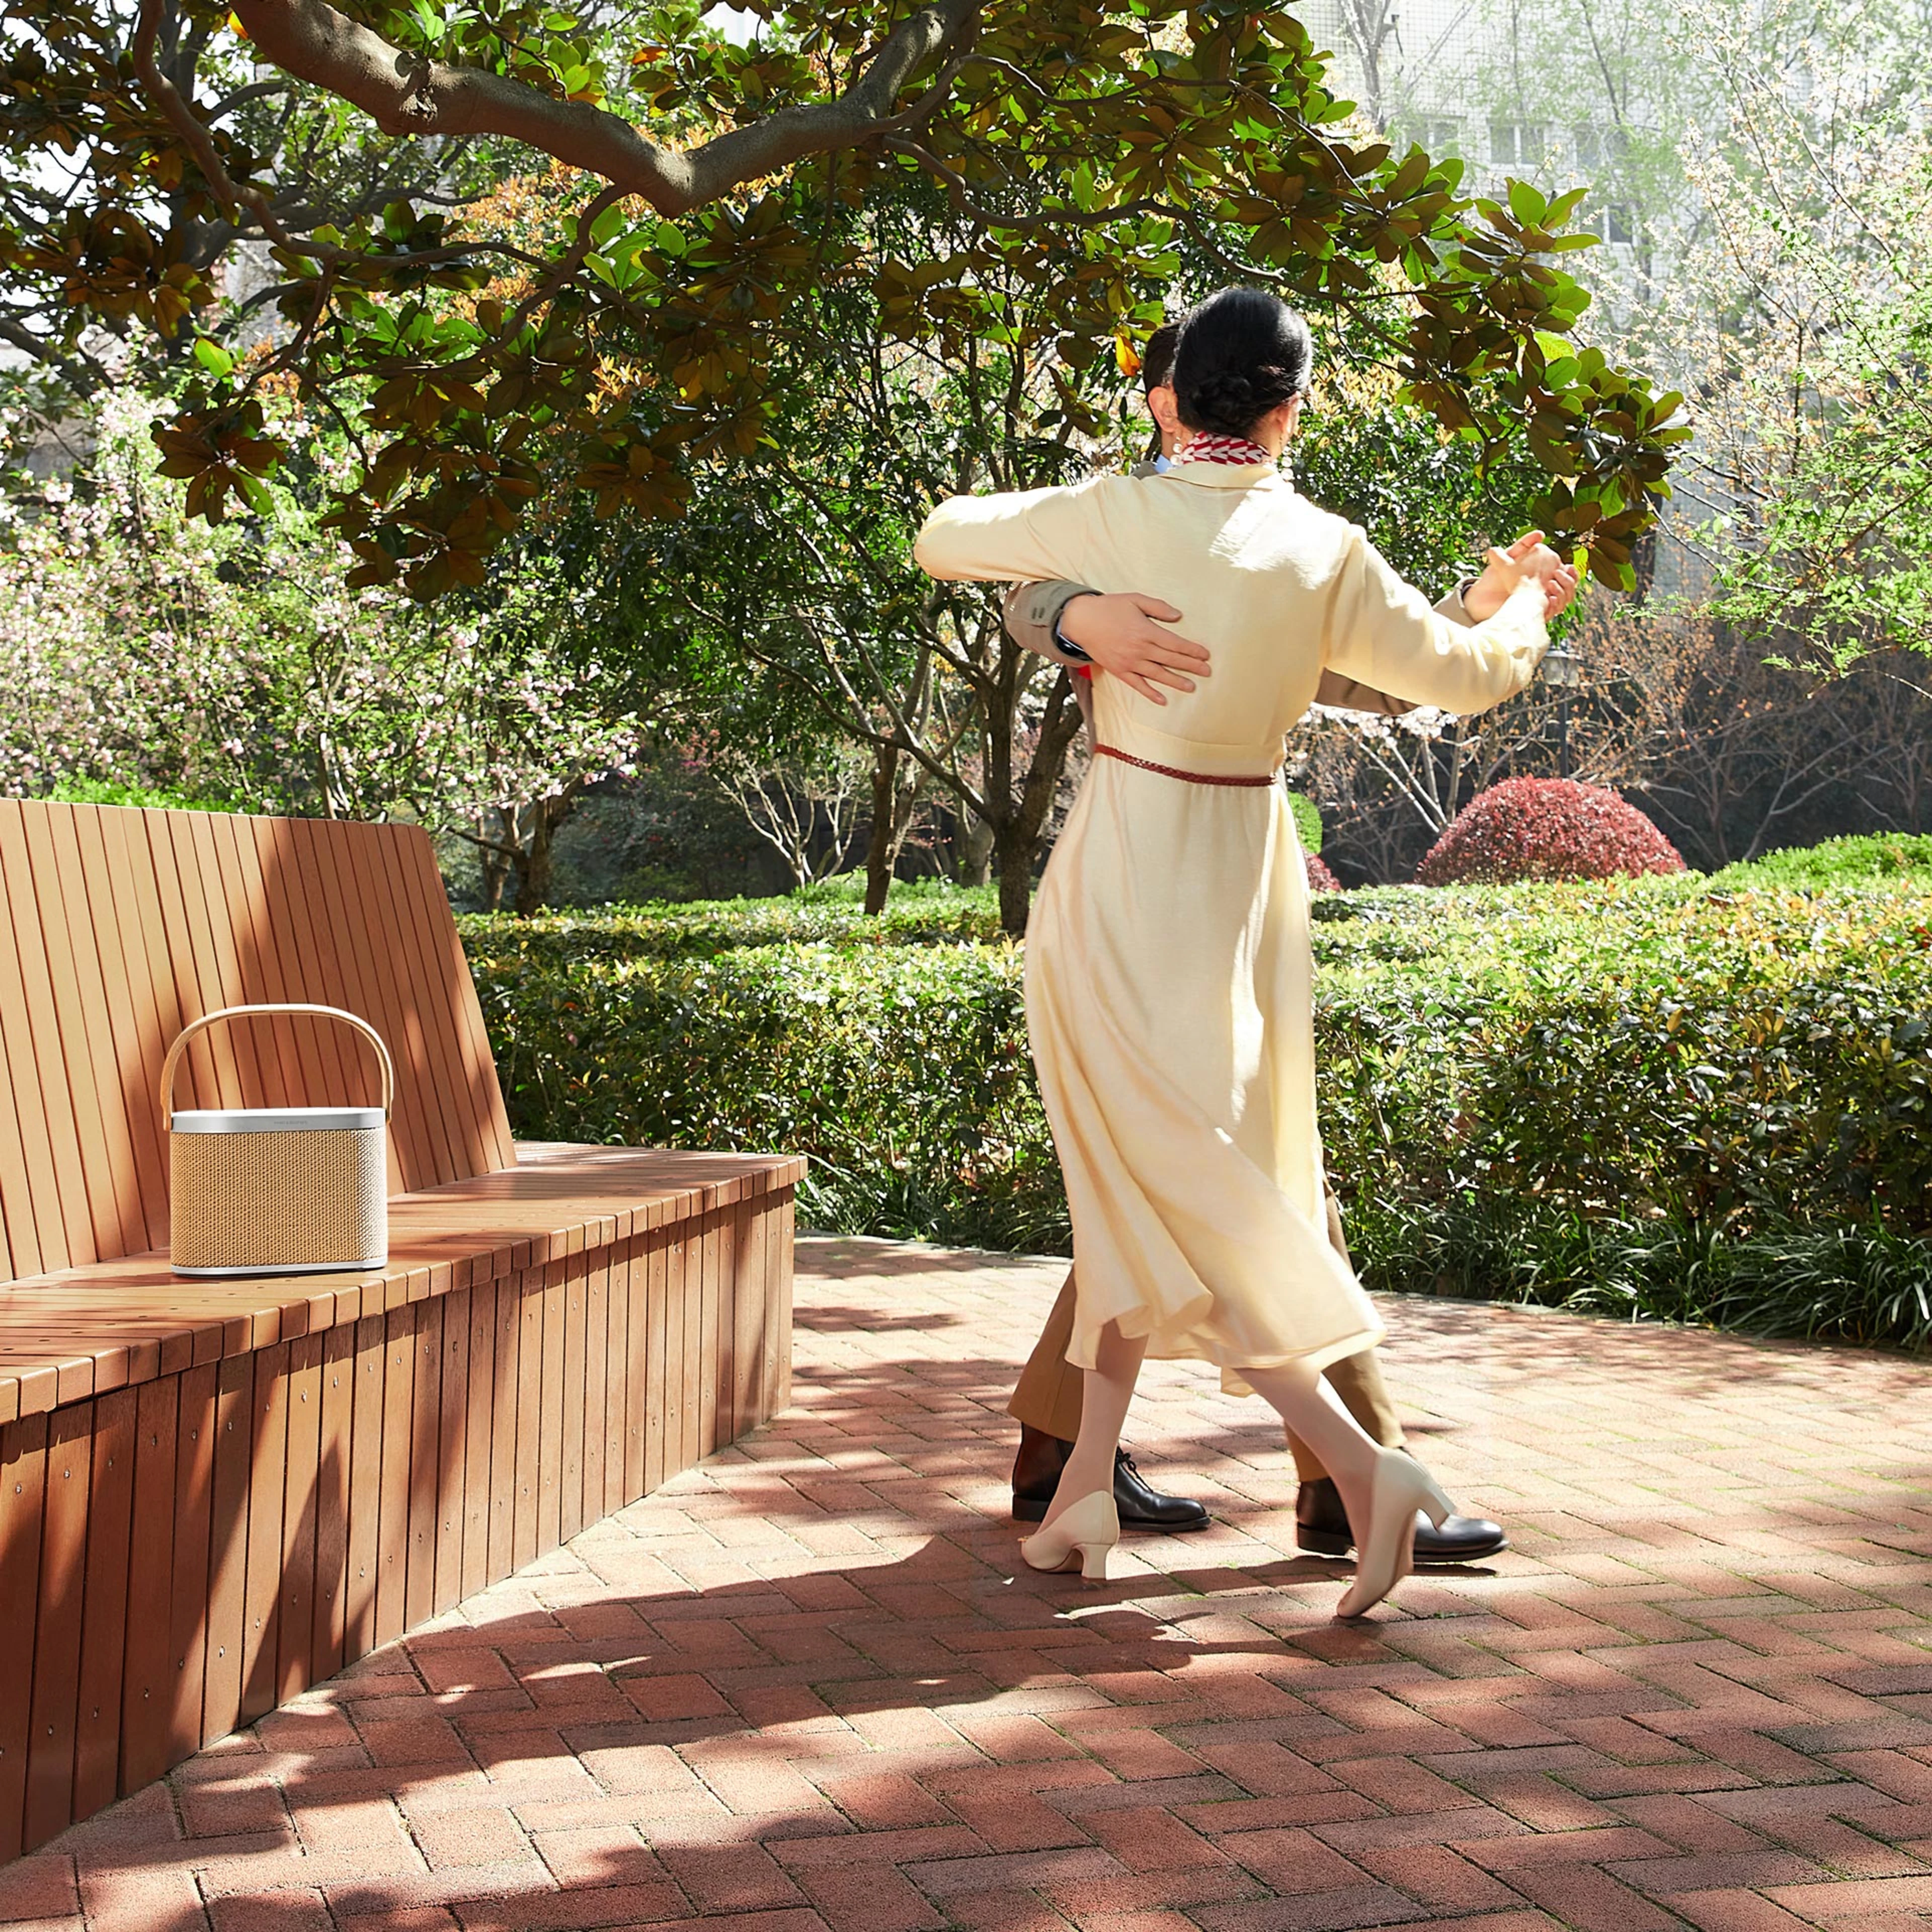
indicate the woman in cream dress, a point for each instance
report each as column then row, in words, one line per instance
column 1169, row 988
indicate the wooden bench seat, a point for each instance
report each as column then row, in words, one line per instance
column 214, row 1493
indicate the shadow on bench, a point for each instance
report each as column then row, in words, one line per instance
column 214, row 1493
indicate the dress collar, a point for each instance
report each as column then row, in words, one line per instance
column 1229, row 476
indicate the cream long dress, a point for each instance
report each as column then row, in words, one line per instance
column 1168, row 979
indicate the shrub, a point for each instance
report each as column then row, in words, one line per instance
column 1307, row 822
column 106, row 791
column 1320, row 879
column 1639, row 1096
column 1838, row 861
column 1546, row 829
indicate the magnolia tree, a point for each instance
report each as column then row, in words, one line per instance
column 473, row 357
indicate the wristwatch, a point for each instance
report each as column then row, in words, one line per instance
column 1065, row 644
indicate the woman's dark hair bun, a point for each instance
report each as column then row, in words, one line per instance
column 1242, row 353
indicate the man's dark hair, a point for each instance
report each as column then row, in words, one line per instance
column 1157, row 358
column 1242, row 352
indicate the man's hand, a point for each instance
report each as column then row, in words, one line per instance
column 1528, row 559
column 1126, row 636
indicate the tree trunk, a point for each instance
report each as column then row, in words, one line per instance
column 895, row 796
column 496, row 865
column 973, row 850
column 535, row 863
column 1013, row 848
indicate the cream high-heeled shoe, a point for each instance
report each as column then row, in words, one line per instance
column 1385, row 1553
column 1086, row 1529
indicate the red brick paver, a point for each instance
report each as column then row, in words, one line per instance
column 809, row 1688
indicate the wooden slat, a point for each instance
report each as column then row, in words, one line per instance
column 87, row 1042
column 228, row 1549
column 103, row 1626
column 318, row 1050
column 331, row 1509
column 780, row 1395
column 490, row 1147
column 476, row 1453
column 365, row 1488
column 443, row 1091
column 719, row 1261
column 671, row 1405
column 295, row 1582
column 339, row 969
column 647, row 1374
column 148, row 1680
column 258, row 963
column 550, row 1451
column 428, row 1162
column 194, row 1492
column 20, row 1231
column 127, row 876
column 529, row 1417
column 596, row 1384
column 504, row 1467
column 392, row 1532
column 267, row 1484
column 425, row 1433
column 451, row 1436
column 126, row 1101
column 62, row 1217
column 236, row 1050
column 56, row 1653
column 694, row 1364
column 208, row 1061
column 574, row 1396
column 23, row 1462
column 748, row 1317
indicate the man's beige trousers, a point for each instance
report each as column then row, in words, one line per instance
column 1048, row 1394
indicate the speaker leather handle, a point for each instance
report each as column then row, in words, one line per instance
column 170, row 1066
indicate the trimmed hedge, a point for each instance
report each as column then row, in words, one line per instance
column 1865, row 857
column 1546, row 829
column 1646, row 1095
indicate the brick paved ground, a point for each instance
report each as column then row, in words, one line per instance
column 810, row 1686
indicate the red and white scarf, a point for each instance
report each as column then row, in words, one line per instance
column 1235, row 451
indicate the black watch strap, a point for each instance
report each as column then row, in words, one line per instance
column 1064, row 644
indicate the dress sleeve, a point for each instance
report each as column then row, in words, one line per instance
column 1022, row 536
column 1383, row 634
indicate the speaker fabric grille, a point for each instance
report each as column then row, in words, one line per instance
column 272, row 1201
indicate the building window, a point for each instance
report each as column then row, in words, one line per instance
column 1600, row 147
column 1619, row 227
column 1442, row 136
column 1515, row 143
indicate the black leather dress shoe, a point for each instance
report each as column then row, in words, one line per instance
column 1322, row 1526
column 1036, row 1475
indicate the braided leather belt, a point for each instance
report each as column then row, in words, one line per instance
column 1188, row 778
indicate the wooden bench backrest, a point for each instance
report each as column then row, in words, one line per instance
column 118, row 927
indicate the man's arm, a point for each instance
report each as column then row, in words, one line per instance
column 1126, row 635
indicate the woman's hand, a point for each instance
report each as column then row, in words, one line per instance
column 1529, row 559
column 1126, row 636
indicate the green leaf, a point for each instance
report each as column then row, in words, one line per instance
column 212, row 357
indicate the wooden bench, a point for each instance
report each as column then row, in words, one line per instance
column 214, row 1493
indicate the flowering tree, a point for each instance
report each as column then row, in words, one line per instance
column 138, row 645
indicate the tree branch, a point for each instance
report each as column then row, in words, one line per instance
column 314, row 41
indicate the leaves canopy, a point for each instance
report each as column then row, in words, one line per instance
column 609, row 325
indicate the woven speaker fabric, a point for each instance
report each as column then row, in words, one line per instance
column 302, row 1200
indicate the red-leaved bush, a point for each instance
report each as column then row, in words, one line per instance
column 1320, row 879
column 1546, row 829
